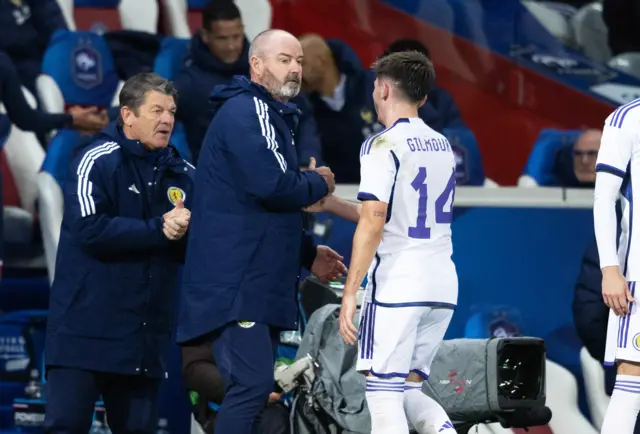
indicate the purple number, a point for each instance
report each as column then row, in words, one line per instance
column 419, row 184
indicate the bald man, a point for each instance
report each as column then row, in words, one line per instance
column 576, row 166
column 247, row 244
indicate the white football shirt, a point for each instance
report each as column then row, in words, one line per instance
column 412, row 168
column 618, row 172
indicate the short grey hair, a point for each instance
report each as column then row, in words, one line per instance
column 135, row 89
column 262, row 39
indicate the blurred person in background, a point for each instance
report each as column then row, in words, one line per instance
column 219, row 51
column 340, row 90
column 121, row 242
column 205, row 385
column 89, row 120
column 622, row 18
column 575, row 166
column 27, row 26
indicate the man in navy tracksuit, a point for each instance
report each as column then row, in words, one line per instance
column 217, row 53
column 246, row 242
column 122, row 240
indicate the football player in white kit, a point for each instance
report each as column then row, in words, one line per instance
column 403, row 241
column 617, row 168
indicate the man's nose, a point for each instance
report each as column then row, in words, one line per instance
column 296, row 68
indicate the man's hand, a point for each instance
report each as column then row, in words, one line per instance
column 88, row 119
column 615, row 290
column 348, row 331
column 319, row 206
column 274, row 397
column 328, row 264
column 326, row 173
column 176, row 222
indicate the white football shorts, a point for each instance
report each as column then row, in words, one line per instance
column 623, row 334
column 393, row 341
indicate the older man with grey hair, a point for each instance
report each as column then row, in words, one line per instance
column 246, row 243
column 122, row 240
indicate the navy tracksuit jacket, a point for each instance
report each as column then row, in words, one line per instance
column 247, row 244
column 112, row 298
column 201, row 73
column 246, row 234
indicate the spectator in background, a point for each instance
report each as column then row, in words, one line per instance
column 340, row 92
column 622, row 18
column 219, row 51
column 21, row 114
column 440, row 111
column 575, row 166
column 205, row 385
column 27, row 26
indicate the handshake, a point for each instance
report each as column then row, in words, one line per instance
column 326, row 174
column 176, row 222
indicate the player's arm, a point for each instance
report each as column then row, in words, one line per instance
column 377, row 174
column 611, row 168
column 342, row 208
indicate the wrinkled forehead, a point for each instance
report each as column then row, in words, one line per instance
column 284, row 45
column 588, row 142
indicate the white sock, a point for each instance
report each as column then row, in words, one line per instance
column 424, row 413
column 384, row 399
column 624, row 406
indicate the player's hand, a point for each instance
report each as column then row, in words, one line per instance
column 615, row 291
column 176, row 222
column 275, row 397
column 348, row 331
column 328, row 264
column 319, row 206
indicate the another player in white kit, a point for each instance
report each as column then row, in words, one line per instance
column 618, row 170
column 403, row 241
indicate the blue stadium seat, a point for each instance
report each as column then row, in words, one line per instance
column 179, row 140
column 51, row 178
column 81, row 66
column 539, row 167
column 493, row 321
column 469, row 168
column 171, row 56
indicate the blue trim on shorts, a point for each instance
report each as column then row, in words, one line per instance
column 388, row 375
column 425, row 376
column 438, row 304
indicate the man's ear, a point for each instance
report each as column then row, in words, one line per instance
column 127, row 115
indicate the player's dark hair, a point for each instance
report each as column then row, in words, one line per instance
column 135, row 89
column 411, row 73
column 219, row 10
column 407, row 45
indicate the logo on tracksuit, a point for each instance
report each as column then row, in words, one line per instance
column 175, row 194
column 446, row 426
column 246, row 324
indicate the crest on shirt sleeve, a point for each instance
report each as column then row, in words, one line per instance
column 175, row 194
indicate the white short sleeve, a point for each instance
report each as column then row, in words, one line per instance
column 378, row 168
column 615, row 150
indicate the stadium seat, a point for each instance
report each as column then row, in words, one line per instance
column 66, row 6
column 552, row 20
column 562, row 399
column 77, row 69
column 175, row 13
column 256, row 15
column 141, row 15
column 591, row 32
column 594, row 383
column 629, row 63
column 171, row 56
column 538, row 172
column 50, row 182
column 469, row 169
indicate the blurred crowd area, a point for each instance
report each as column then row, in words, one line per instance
column 522, row 93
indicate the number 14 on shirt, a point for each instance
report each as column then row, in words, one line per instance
column 419, row 184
